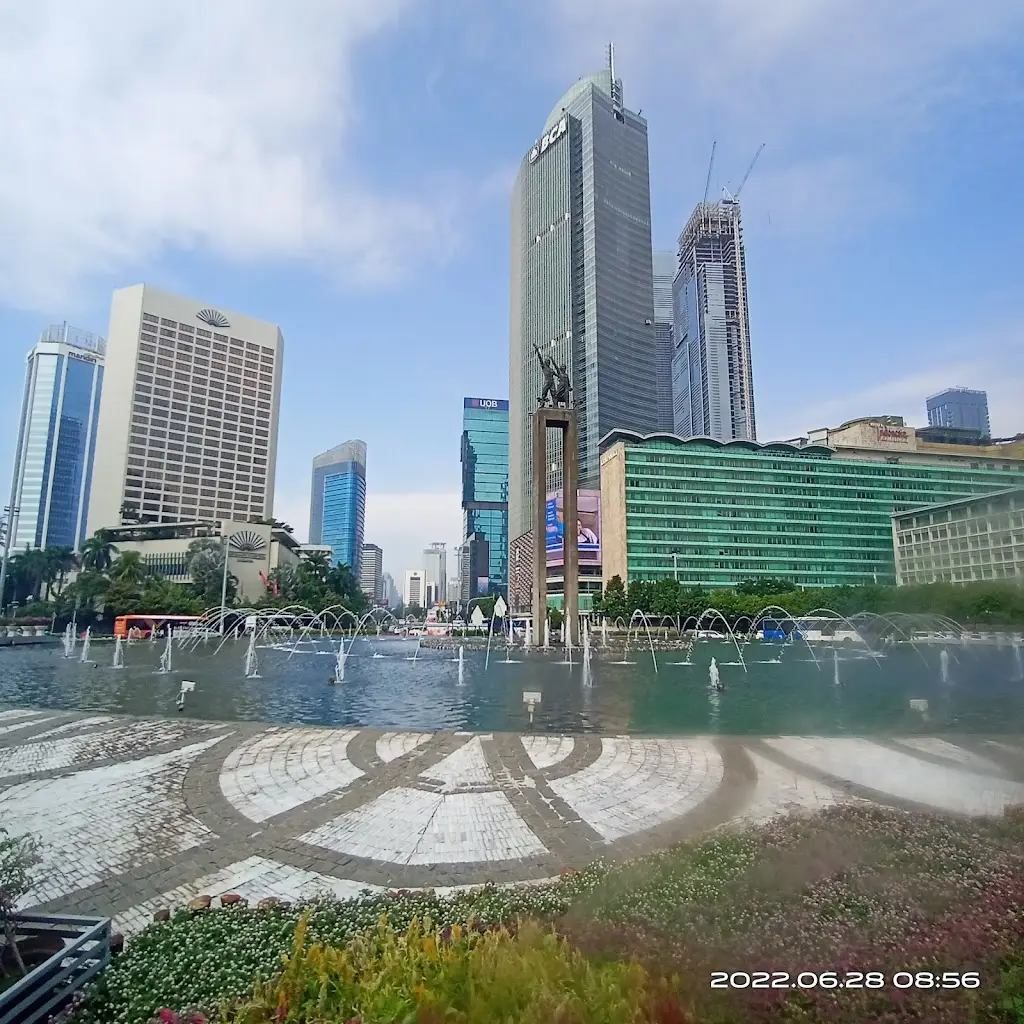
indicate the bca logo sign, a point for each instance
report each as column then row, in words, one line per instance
column 549, row 139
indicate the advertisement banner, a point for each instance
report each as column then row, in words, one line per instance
column 588, row 527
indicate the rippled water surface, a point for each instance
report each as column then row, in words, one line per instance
column 783, row 690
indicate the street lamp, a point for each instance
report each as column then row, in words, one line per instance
column 224, row 585
column 675, row 566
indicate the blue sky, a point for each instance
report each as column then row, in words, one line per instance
column 344, row 168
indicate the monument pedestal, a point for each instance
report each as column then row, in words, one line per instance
column 563, row 420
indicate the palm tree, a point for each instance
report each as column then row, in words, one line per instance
column 129, row 567
column 66, row 559
column 98, row 551
column 30, row 567
column 318, row 564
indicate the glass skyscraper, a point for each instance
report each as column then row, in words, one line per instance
column 664, row 266
column 57, row 439
column 581, row 281
column 961, row 408
column 485, row 496
column 712, row 378
column 337, row 509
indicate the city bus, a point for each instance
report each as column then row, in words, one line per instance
column 143, row 625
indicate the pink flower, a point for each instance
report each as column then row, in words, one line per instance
column 166, row 1016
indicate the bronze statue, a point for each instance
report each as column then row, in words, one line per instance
column 563, row 392
column 548, row 366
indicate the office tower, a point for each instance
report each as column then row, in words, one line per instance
column 188, row 419
column 712, row 379
column 664, row 271
column 391, row 595
column 371, row 573
column 961, row 408
column 415, row 588
column 435, row 568
column 337, row 506
column 581, row 284
column 483, row 561
column 56, row 444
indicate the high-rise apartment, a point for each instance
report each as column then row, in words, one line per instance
column 57, row 439
column 435, row 569
column 664, row 265
column 581, row 284
column 337, row 506
column 961, row 408
column 188, row 419
column 484, row 567
column 712, row 378
column 415, row 588
column 371, row 573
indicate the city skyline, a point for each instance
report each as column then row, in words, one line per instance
column 876, row 146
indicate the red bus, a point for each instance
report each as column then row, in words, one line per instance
column 143, row 625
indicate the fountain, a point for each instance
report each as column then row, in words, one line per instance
column 835, row 666
column 118, row 652
column 419, row 639
column 944, row 665
column 528, row 635
column 716, row 614
column 587, row 677
column 547, row 635
column 713, row 676
column 84, row 659
column 252, row 665
column 166, row 657
column 647, row 626
column 604, row 632
column 1018, row 662
column 69, row 640
column 567, row 641
column 462, row 665
column 339, row 661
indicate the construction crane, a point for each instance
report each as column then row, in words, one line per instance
column 734, row 197
column 711, row 164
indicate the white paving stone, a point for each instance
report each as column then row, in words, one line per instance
column 15, row 726
column 123, row 741
column 781, row 791
column 951, row 752
column 462, row 768
column 283, row 768
column 393, row 745
column 101, row 822
column 410, row 826
column 68, row 727
column 11, row 713
column 636, row 784
column 544, row 751
column 901, row 775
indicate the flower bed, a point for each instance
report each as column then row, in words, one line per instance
column 854, row 889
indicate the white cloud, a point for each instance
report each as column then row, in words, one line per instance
column 401, row 524
column 131, row 127
column 991, row 361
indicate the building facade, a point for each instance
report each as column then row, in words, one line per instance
column 484, row 497
column 56, row 446
column 337, row 504
column 715, row 514
column 392, row 597
column 664, row 264
column 581, row 281
column 959, row 407
column 188, row 419
column 415, row 588
column 966, row 541
column 435, row 570
column 371, row 573
column 712, row 375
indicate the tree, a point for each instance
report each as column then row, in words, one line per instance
column 64, row 560
column 206, row 569
column 277, row 524
column 613, row 600
column 129, row 567
column 18, row 855
column 318, row 563
column 98, row 551
column 344, row 584
column 765, row 587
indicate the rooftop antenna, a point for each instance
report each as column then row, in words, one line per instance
column 711, row 164
column 616, row 99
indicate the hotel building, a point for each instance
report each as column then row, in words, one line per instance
column 188, row 418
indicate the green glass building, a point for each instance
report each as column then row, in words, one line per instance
column 714, row 514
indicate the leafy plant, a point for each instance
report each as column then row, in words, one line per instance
column 18, row 855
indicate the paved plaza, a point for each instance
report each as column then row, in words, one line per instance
column 137, row 814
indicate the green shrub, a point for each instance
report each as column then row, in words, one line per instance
column 522, row 975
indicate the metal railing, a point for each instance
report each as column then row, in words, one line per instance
column 47, row 988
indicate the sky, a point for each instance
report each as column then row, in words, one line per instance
column 343, row 168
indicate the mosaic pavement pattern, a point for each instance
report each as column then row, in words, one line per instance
column 136, row 814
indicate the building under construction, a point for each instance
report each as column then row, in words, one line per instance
column 712, row 381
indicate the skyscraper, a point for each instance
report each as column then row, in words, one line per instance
column 664, row 267
column 337, row 507
column 415, row 588
column 435, row 569
column 53, row 463
column 959, row 407
column 371, row 573
column 712, row 379
column 581, row 284
column 389, row 590
column 484, row 566
column 188, row 420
